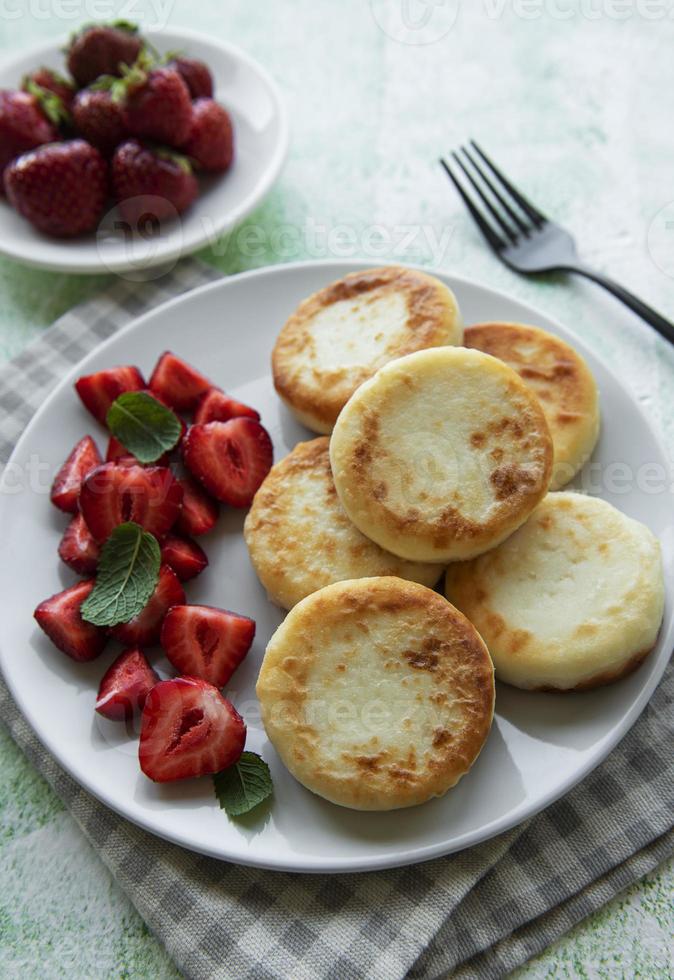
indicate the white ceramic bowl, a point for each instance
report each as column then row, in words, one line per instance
column 261, row 135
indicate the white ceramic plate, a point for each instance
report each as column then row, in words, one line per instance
column 540, row 745
column 261, row 135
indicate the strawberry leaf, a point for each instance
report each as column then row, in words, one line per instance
column 128, row 572
column 243, row 786
column 143, row 425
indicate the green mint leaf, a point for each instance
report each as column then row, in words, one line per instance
column 244, row 785
column 128, row 572
column 143, row 425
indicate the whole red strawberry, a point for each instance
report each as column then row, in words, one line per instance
column 60, row 188
column 150, row 181
column 158, row 105
column 100, row 49
column 196, row 75
column 211, row 139
column 52, row 82
column 99, row 119
column 22, row 126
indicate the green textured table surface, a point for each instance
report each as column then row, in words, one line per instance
column 575, row 97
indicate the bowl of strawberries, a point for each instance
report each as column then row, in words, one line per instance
column 123, row 151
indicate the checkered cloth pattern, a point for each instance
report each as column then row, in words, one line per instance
column 476, row 914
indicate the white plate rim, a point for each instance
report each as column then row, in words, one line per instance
column 518, row 815
column 227, row 221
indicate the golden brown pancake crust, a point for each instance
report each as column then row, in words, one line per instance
column 337, row 648
column 561, row 380
column 432, row 319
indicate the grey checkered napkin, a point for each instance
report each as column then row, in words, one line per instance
column 477, row 914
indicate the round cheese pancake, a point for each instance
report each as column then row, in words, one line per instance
column 572, row 600
column 300, row 539
column 340, row 336
column 562, row 381
column 441, row 455
column 377, row 693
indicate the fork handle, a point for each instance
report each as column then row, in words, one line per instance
column 664, row 327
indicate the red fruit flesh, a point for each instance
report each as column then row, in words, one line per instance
column 60, row 619
column 178, row 383
column 117, row 453
column 160, row 108
column 205, row 642
column 99, row 120
column 144, row 629
column 151, row 185
column 184, row 556
column 22, row 126
column 98, row 391
column 113, row 494
column 100, row 49
column 211, row 140
column 125, row 686
column 67, row 483
column 196, row 75
column 61, row 188
column 216, row 406
column 188, row 729
column 230, row 459
column 199, row 512
column 78, row 549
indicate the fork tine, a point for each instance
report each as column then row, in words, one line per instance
column 513, row 215
column 536, row 216
column 504, row 226
column 493, row 239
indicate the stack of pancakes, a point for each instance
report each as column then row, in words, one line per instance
column 443, row 448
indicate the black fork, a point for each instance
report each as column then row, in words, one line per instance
column 522, row 237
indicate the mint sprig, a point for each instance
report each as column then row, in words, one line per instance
column 243, row 786
column 128, row 572
column 143, row 425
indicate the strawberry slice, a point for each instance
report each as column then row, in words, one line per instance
column 177, row 383
column 188, row 729
column 205, row 642
column 98, row 391
column 125, row 686
column 230, row 459
column 145, row 628
column 112, row 494
column 199, row 511
column 216, row 406
column 78, row 549
column 184, row 556
column 117, row 453
column 66, row 486
column 60, row 619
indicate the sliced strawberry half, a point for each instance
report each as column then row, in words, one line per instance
column 78, row 549
column 125, row 686
column 98, row 391
column 66, row 486
column 216, row 406
column 188, row 729
column 205, row 642
column 144, row 629
column 230, row 459
column 60, row 619
column 112, row 494
column 178, row 383
column 184, row 556
column 199, row 512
